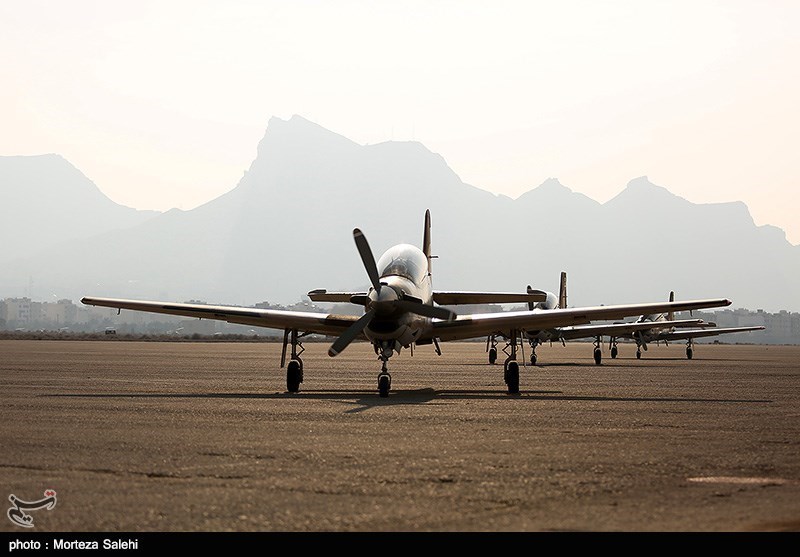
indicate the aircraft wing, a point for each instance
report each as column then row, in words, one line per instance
column 618, row 329
column 477, row 325
column 327, row 324
column 695, row 333
column 462, row 297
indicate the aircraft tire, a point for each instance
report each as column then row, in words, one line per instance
column 294, row 376
column 492, row 356
column 598, row 356
column 512, row 378
column 689, row 354
column 384, row 383
column 614, row 352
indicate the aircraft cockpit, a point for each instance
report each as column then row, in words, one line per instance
column 404, row 260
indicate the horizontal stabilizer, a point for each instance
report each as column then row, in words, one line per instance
column 322, row 295
column 456, row 298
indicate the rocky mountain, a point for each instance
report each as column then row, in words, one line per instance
column 287, row 228
column 46, row 202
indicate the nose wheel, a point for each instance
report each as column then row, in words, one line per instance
column 384, row 384
column 384, row 379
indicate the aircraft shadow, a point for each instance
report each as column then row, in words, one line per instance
column 367, row 399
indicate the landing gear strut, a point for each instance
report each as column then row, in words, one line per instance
column 294, row 371
column 384, row 379
column 534, row 343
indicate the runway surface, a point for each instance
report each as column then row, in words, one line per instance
column 138, row 436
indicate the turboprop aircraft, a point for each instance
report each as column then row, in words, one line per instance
column 662, row 328
column 646, row 329
column 400, row 312
column 572, row 332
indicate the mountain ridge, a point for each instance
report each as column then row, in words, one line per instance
column 286, row 228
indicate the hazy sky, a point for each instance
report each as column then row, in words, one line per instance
column 162, row 103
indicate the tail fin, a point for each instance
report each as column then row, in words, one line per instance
column 426, row 238
column 562, row 291
column 671, row 314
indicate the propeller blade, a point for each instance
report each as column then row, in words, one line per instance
column 426, row 310
column 367, row 258
column 350, row 334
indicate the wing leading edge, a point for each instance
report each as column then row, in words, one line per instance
column 697, row 333
column 321, row 323
column 477, row 325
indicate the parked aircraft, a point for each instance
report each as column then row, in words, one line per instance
column 572, row 332
column 400, row 312
column 662, row 330
column 646, row 329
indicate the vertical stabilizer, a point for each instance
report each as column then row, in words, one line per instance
column 671, row 314
column 426, row 238
column 562, row 291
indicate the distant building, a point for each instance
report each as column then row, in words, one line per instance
column 18, row 311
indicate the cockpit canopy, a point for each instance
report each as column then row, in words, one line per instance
column 404, row 260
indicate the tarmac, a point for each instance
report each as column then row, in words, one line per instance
column 201, row 436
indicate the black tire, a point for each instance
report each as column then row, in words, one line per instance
column 294, row 376
column 492, row 356
column 689, row 354
column 614, row 352
column 533, row 359
column 383, row 385
column 638, row 354
column 598, row 356
column 512, row 378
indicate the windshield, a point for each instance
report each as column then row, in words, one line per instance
column 404, row 260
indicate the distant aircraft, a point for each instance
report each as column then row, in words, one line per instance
column 563, row 334
column 662, row 328
column 399, row 312
column 646, row 329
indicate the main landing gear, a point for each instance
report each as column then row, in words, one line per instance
column 294, row 371
column 612, row 343
column 689, row 351
column 598, row 353
column 491, row 348
column 510, row 366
